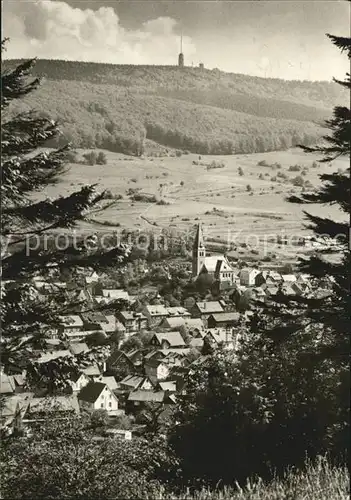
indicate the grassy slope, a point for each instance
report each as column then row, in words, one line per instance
column 99, row 102
column 318, row 482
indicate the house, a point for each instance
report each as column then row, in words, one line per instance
column 155, row 314
column 271, row 290
column 167, row 340
column 287, row 289
column 79, row 297
column 98, row 396
column 248, row 276
column 120, row 360
column 95, row 320
column 223, row 319
column 92, row 371
column 136, row 357
column 289, row 278
column 77, row 382
column 78, row 348
column 261, row 278
column 299, row 288
column 52, row 344
column 12, row 405
column 193, row 324
column 138, row 397
column 174, row 358
column 133, row 321
column 110, row 381
column 203, row 310
column 133, row 382
column 172, row 323
column 92, row 277
column 196, row 343
column 11, row 384
column 62, row 405
column 225, row 337
column 178, row 312
column 273, row 277
column 115, row 294
column 169, row 385
column 258, row 293
column 78, row 336
column 156, row 369
column 304, row 278
column 224, row 272
column 70, row 324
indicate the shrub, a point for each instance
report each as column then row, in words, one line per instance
column 182, row 183
column 144, row 198
column 298, row 181
column 72, row 156
column 248, row 188
column 263, row 163
column 178, row 153
column 90, row 158
column 240, row 171
column 294, row 168
column 99, row 418
column 101, row 158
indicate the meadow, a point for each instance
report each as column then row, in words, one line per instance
column 242, row 200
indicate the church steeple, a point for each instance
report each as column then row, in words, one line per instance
column 199, row 250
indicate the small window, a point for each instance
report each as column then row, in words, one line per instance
column 110, row 404
column 102, row 405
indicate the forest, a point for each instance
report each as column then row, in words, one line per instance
column 200, row 111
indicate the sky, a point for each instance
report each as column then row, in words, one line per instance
column 275, row 39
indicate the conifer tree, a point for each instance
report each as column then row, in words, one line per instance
column 28, row 229
column 328, row 314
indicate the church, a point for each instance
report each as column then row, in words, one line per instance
column 217, row 266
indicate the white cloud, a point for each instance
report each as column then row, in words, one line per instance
column 55, row 30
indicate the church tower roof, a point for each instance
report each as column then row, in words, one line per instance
column 199, row 237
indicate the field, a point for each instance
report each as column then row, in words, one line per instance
column 218, row 197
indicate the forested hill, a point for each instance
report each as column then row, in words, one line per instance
column 204, row 111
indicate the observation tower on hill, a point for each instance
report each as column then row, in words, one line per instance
column 181, row 55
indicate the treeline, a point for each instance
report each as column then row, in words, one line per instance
column 154, row 78
column 119, row 120
column 240, row 144
column 251, row 104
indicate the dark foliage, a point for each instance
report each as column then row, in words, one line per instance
column 30, row 229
